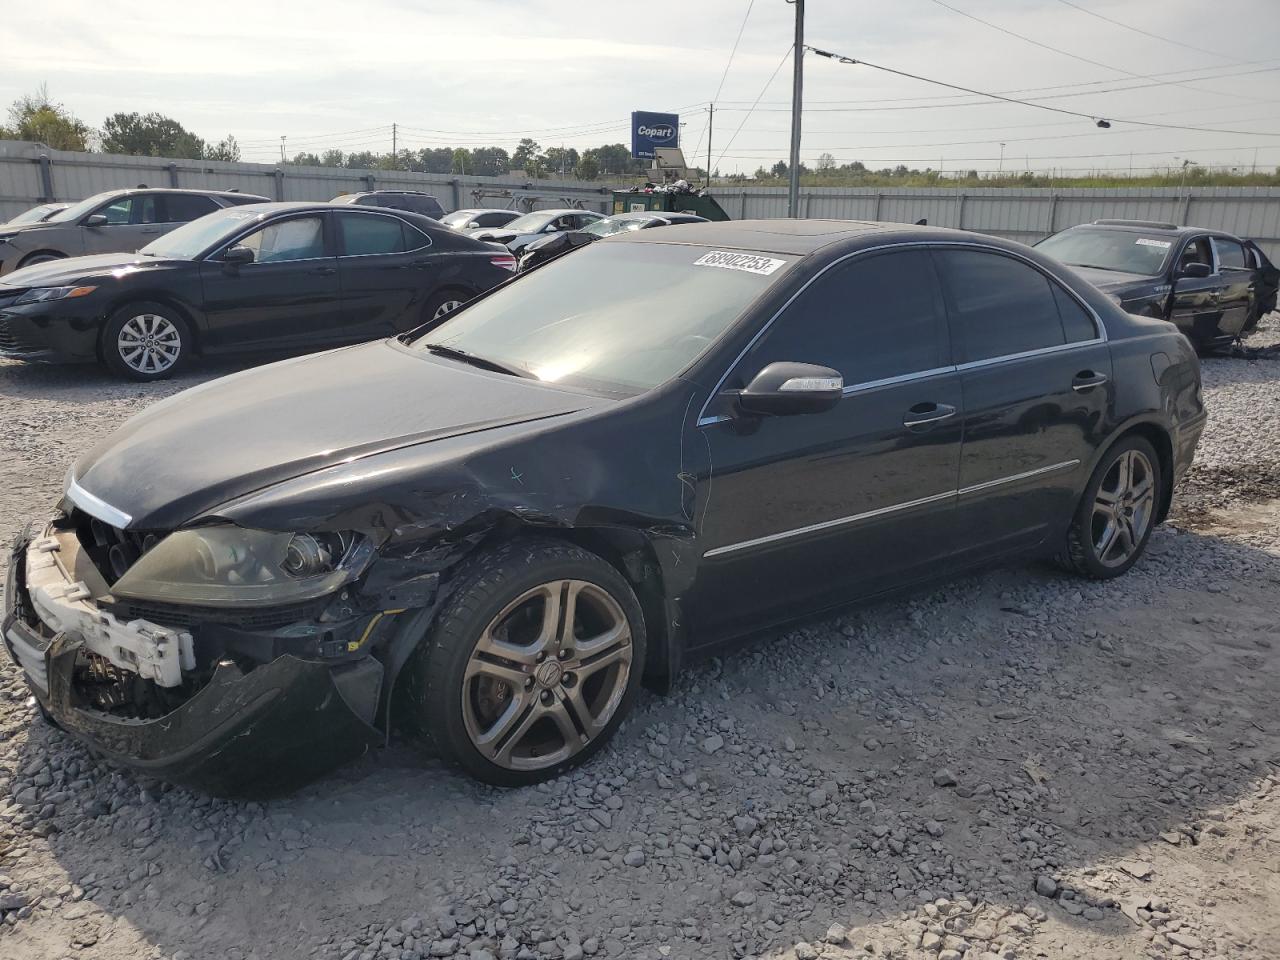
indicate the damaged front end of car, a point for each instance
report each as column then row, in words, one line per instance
column 234, row 661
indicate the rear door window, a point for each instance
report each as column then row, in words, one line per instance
column 366, row 234
column 871, row 319
column 185, row 207
column 146, row 209
column 1230, row 253
column 999, row 306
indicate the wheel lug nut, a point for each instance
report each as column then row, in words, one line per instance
column 547, row 696
column 541, row 656
column 566, row 654
column 528, row 684
column 569, row 680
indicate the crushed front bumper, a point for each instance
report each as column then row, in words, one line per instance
column 245, row 734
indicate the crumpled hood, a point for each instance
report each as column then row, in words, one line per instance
column 496, row 234
column 241, row 433
column 58, row 273
column 1113, row 281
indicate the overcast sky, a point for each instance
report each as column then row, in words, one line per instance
column 477, row 72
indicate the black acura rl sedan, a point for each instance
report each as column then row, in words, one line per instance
column 252, row 278
column 502, row 523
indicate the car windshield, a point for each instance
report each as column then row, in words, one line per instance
column 530, row 222
column 194, row 238
column 1124, row 251
column 457, row 217
column 34, row 215
column 611, row 225
column 83, row 208
column 615, row 318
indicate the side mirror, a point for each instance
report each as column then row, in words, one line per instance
column 238, row 254
column 95, row 220
column 785, row 389
column 1197, row 271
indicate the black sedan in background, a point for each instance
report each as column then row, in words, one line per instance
column 259, row 277
column 545, row 249
column 1214, row 286
column 669, row 440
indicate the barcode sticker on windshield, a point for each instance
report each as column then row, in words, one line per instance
column 1162, row 244
column 748, row 262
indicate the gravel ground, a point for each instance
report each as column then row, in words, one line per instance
column 1014, row 765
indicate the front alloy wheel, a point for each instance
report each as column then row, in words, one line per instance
column 532, row 663
column 546, row 675
column 145, row 341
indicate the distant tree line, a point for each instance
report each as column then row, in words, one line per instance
column 612, row 159
column 39, row 118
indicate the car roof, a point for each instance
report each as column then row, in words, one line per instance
column 778, row 236
column 1150, row 227
column 195, row 192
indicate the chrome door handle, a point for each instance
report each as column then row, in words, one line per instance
column 1086, row 380
column 922, row 415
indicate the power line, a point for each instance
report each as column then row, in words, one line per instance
column 1148, row 33
column 1059, row 50
column 1098, row 120
column 763, row 90
column 724, row 76
column 1046, row 156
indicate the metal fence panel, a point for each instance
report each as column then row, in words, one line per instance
column 1025, row 214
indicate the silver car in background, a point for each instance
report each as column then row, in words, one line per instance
column 118, row 221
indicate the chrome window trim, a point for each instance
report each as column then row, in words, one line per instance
column 1026, row 354
column 96, row 506
column 387, row 216
column 893, row 381
column 704, row 420
column 884, row 511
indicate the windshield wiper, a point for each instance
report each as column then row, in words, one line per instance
column 1098, row 266
column 453, row 353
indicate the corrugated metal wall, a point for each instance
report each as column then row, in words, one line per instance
column 29, row 174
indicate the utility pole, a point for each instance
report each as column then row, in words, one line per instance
column 1000, row 168
column 711, row 120
column 282, row 136
column 393, row 139
column 797, row 104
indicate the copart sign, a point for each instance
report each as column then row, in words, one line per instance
column 649, row 131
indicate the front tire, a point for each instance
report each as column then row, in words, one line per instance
column 1115, row 517
column 146, row 341
column 533, row 662
column 44, row 256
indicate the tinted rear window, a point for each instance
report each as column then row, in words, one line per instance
column 999, row 306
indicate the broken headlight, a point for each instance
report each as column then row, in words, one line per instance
column 225, row 564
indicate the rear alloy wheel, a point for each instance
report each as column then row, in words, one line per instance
column 145, row 341
column 35, row 258
column 533, row 662
column 1117, row 514
column 440, row 305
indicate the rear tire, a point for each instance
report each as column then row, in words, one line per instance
column 1114, row 519
column 442, row 303
column 532, row 663
column 145, row 341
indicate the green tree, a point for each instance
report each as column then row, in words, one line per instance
column 437, row 160
column 226, row 149
column 149, row 135
column 527, row 157
column 36, row 117
column 305, row 160
column 588, row 168
column 561, row 159
column 332, row 158
column 489, row 162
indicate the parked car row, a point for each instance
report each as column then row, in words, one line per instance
column 500, row 523
column 255, row 277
